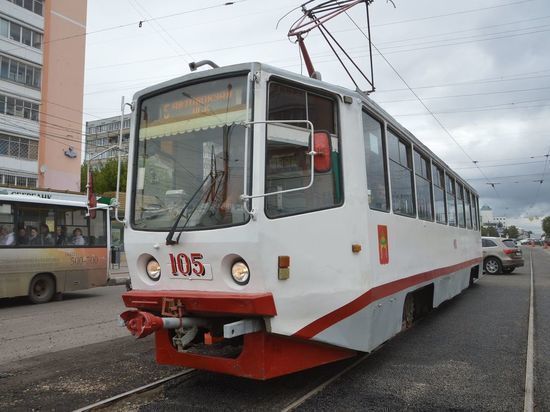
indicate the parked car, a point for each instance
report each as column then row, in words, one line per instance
column 500, row 255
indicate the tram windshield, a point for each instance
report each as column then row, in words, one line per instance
column 191, row 155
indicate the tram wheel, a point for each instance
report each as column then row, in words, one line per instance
column 408, row 312
column 41, row 289
column 492, row 266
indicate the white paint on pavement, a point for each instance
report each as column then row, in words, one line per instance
column 528, row 405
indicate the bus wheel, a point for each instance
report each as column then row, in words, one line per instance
column 41, row 289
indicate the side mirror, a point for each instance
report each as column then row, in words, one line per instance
column 323, row 150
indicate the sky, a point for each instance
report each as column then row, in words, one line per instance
column 470, row 79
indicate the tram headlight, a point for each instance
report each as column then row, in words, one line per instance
column 240, row 273
column 153, row 269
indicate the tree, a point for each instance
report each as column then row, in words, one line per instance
column 105, row 177
column 489, row 231
column 546, row 226
column 512, row 232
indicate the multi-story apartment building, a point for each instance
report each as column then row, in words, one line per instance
column 102, row 134
column 42, row 44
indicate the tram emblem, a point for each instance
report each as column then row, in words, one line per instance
column 383, row 246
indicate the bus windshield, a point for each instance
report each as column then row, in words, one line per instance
column 191, row 155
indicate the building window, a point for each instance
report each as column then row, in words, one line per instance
column 36, row 6
column 401, row 176
column 20, row 34
column 18, row 147
column 423, row 186
column 19, row 72
column 18, row 107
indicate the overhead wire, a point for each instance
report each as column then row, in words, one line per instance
column 135, row 23
column 447, row 132
column 162, row 32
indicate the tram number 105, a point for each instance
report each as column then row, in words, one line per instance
column 187, row 265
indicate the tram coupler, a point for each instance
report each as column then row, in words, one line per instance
column 141, row 324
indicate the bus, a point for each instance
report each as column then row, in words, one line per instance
column 48, row 244
column 276, row 222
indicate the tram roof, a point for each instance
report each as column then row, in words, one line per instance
column 374, row 107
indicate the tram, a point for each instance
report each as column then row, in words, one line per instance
column 277, row 222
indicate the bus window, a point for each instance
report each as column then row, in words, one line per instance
column 35, row 226
column 439, row 194
column 98, row 235
column 375, row 161
column 7, row 234
column 287, row 164
column 423, row 186
column 75, row 226
column 401, row 176
column 451, row 205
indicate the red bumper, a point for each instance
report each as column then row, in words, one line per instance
column 263, row 356
column 219, row 303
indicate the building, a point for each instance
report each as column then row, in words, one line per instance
column 486, row 214
column 42, row 45
column 103, row 134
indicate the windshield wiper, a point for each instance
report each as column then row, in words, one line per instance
column 169, row 240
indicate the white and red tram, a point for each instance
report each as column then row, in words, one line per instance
column 277, row 222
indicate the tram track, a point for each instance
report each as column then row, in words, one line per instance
column 151, row 393
column 113, row 401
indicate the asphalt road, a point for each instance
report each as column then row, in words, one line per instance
column 469, row 354
column 81, row 318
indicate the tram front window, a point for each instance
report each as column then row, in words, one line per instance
column 191, row 155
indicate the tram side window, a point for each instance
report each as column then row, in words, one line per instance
column 401, row 176
column 468, row 208
column 423, row 186
column 287, row 164
column 7, row 225
column 375, row 161
column 474, row 213
column 35, row 226
column 451, row 200
column 460, row 205
column 439, row 194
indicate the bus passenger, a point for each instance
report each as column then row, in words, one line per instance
column 22, row 238
column 78, row 239
column 46, row 238
column 7, row 237
column 59, row 236
column 34, row 239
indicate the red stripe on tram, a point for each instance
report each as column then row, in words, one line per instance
column 374, row 294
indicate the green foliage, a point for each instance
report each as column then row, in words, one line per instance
column 512, row 232
column 105, row 177
column 546, row 225
column 489, row 231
